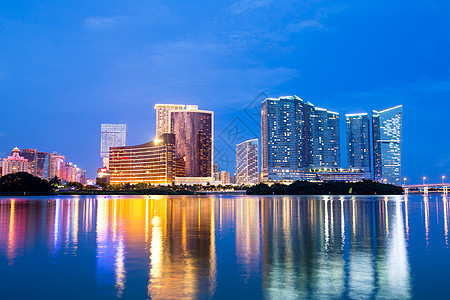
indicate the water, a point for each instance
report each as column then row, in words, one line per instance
column 224, row 247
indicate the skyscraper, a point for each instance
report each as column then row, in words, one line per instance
column 57, row 165
column 163, row 117
column 358, row 141
column 39, row 162
column 325, row 142
column 294, row 136
column 247, row 163
column 282, row 137
column 387, row 144
column 193, row 130
column 112, row 135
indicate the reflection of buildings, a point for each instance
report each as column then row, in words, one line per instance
column 112, row 135
column 387, row 144
column 309, row 247
column 306, row 243
column 149, row 163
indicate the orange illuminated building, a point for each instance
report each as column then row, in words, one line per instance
column 152, row 162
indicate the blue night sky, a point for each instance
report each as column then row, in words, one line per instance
column 67, row 66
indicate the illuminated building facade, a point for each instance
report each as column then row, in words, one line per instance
column 324, row 138
column 57, row 165
column 296, row 135
column 152, row 162
column 358, row 141
column 15, row 163
column 387, row 144
column 39, row 162
column 247, row 162
column 70, row 172
column 282, row 137
column 193, row 130
column 163, row 117
column 112, row 135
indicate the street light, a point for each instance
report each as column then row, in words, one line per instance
column 443, row 178
column 423, row 180
column 404, row 181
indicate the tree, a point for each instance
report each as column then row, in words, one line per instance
column 24, row 182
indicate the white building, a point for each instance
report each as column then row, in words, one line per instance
column 112, row 135
column 247, row 162
column 15, row 163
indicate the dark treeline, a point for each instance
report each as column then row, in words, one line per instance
column 366, row 187
column 22, row 182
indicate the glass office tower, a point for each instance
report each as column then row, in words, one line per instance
column 358, row 141
column 247, row 164
column 193, row 130
column 387, row 144
column 112, row 135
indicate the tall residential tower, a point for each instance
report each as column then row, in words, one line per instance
column 387, row 144
column 295, row 136
column 358, row 141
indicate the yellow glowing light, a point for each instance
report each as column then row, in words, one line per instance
column 157, row 141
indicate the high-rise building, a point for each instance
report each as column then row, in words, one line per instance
column 324, row 146
column 282, row 137
column 70, row 172
column 193, row 130
column 57, row 165
column 15, row 163
column 358, row 141
column 152, row 162
column 387, row 144
column 225, row 177
column 112, row 135
column 163, row 117
column 39, row 162
column 247, row 162
column 294, row 136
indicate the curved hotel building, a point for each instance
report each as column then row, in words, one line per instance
column 152, row 162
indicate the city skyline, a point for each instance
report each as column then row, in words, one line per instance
column 96, row 63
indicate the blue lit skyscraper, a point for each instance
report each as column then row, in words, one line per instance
column 295, row 135
column 358, row 141
column 387, row 148
column 282, row 137
column 325, row 142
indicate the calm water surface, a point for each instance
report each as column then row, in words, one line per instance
column 223, row 247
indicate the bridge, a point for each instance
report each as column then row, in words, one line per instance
column 426, row 188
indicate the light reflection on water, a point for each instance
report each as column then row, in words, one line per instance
column 222, row 246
